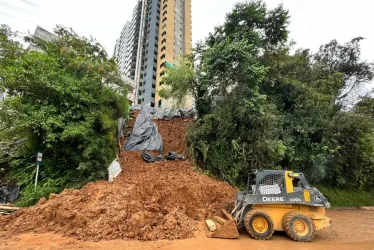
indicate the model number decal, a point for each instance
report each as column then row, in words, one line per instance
column 270, row 199
column 295, row 199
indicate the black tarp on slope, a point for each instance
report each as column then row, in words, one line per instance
column 167, row 114
column 8, row 194
column 145, row 134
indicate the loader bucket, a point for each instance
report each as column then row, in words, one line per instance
column 224, row 228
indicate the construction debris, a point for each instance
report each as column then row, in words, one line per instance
column 6, row 209
column 114, row 170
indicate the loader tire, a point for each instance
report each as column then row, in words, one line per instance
column 259, row 224
column 298, row 227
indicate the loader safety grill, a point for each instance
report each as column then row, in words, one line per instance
column 271, row 184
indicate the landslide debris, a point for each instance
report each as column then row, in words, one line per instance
column 163, row 200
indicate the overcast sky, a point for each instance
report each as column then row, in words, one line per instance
column 313, row 22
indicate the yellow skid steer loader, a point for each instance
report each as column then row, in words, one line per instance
column 274, row 201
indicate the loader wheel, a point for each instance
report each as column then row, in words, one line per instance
column 298, row 226
column 259, row 224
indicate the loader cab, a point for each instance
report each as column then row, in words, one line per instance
column 268, row 182
column 296, row 182
column 276, row 182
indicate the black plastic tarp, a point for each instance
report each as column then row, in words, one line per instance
column 8, row 194
column 167, row 114
column 145, row 134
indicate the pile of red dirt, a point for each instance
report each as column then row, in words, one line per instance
column 163, row 200
column 173, row 134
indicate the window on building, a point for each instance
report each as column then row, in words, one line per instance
column 156, row 45
column 154, row 77
column 154, row 69
column 158, row 11
column 153, row 86
column 156, row 38
column 159, row 103
column 155, row 60
column 162, row 73
column 152, row 105
column 164, row 33
column 162, row 65
column 153, row 95
column 163, row 41
column 163, row 56
column 157, row 24
column 165, row 12
column 163, row 48
column 155, row 52
column 164, row 20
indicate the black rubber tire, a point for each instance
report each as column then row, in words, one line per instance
column 248, row 219
column 288, row 226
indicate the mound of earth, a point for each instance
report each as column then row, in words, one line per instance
column 163, row 200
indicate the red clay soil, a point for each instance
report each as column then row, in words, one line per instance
column 173, row 134
column 164, row 200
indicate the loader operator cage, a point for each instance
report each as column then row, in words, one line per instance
column 268, row 182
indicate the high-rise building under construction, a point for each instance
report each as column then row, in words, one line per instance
column 159, row 32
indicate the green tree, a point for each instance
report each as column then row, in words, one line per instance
column 254, row 22
column 366, row 107
column 304, row 94
column 241, row 133
column 189, row 78
column 345, row 59
column 64, row 102
column 351, row 141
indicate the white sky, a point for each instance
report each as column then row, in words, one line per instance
column 313, row 22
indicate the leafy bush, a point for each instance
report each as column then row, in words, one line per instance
column 63, row 102
column 31, row 195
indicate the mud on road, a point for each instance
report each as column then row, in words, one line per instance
column 352, row 229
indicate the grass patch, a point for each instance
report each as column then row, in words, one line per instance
column 347, row 197
column 30, row 195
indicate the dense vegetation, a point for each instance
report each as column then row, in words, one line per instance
column 262, row 107
column 64, row 101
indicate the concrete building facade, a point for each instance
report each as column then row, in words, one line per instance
column 164, row 35
column 120, row 51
